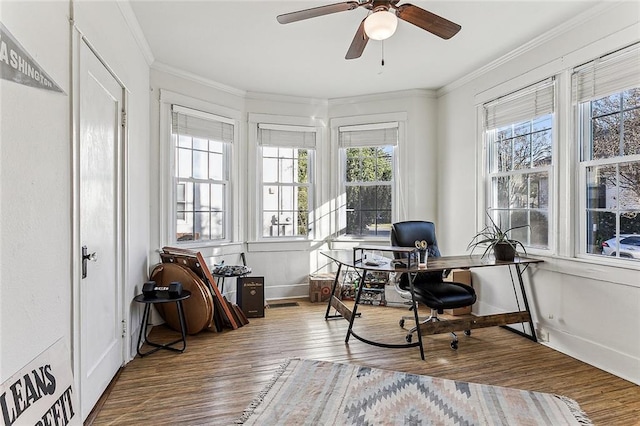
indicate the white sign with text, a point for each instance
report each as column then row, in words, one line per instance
column 42, row 393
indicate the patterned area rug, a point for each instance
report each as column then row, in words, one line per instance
column 305, row 392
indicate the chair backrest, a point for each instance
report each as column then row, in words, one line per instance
column 405, row 234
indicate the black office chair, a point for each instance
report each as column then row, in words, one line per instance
column 429, row 287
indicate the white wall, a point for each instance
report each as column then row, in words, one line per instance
column 35, row 189
column 36, row 175
column 591, row 311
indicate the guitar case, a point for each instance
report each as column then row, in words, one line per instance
column 198, row 309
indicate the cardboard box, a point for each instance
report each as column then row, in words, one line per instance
column 320, row 287
column 463, row 277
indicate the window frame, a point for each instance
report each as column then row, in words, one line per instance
column 167, row 182
column 611, row 73
column 487, row 194
column 310, row 184
column 254, row 180
column 341, row 217
column 584, row 134
column 224, row 182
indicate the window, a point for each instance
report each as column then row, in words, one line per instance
column 287, row 154
column 607, row 95
column 519, row 132
column 367, row 157
column 202, row 144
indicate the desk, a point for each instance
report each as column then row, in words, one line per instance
column 346, row 258
column 148, row 301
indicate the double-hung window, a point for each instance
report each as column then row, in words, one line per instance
column 202, row 149
column 367, row 158
column 287, row 158
column 519, row 136
column 606, row 93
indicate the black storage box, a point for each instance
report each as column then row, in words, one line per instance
column 250, row 296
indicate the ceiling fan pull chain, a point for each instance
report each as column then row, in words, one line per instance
column 382, row 54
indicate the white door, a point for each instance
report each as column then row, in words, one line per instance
column 100, row 139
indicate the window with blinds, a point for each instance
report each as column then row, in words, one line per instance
column 519, row 133
column 287, row 158
column 606, row 93
column 202, row 144
column 367, row 157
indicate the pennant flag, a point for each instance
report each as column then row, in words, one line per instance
column 18, row 66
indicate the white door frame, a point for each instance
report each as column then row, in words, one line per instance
column 77, row 40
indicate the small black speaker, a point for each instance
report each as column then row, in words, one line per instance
column 250, row 296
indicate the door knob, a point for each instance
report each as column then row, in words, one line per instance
column 85, row 257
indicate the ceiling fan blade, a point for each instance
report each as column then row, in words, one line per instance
column 358, row 44
column 316, row 11
column 428, row 21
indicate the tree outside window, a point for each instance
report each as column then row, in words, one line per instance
column 521, row 156
column 519, row 133
column 368, row 186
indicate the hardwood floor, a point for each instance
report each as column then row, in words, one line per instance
column 219, row 374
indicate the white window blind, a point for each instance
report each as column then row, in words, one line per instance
column 198, row 124
column 534, row 101
column 286, row 136
column 382, row 134
column 608, row 74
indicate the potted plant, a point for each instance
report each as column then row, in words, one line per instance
column 497, row 241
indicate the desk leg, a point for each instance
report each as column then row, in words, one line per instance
column 526, row 303
column 333, row 291
column 415, row 313
column 354, row 313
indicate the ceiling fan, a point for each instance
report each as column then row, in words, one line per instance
column 381, row 23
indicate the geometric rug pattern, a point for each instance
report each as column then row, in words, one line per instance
column 307, row 392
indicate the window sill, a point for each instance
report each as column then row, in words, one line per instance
column 359, row 240
column 210, row 248
column 592, row 267
column 288, row 244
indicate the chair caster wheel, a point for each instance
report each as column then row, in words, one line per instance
column 408, row 338
column 467, row 332
column 401, row 322
column 454, row 346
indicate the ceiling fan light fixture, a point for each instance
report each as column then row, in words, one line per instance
column 380, row 25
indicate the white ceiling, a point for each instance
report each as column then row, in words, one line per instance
column 240, row 44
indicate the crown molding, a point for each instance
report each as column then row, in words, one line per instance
column 134, row 26
column 162, row 67
column 385, row 96
column 261, row 96
column 271, row 97
column 534, row 43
